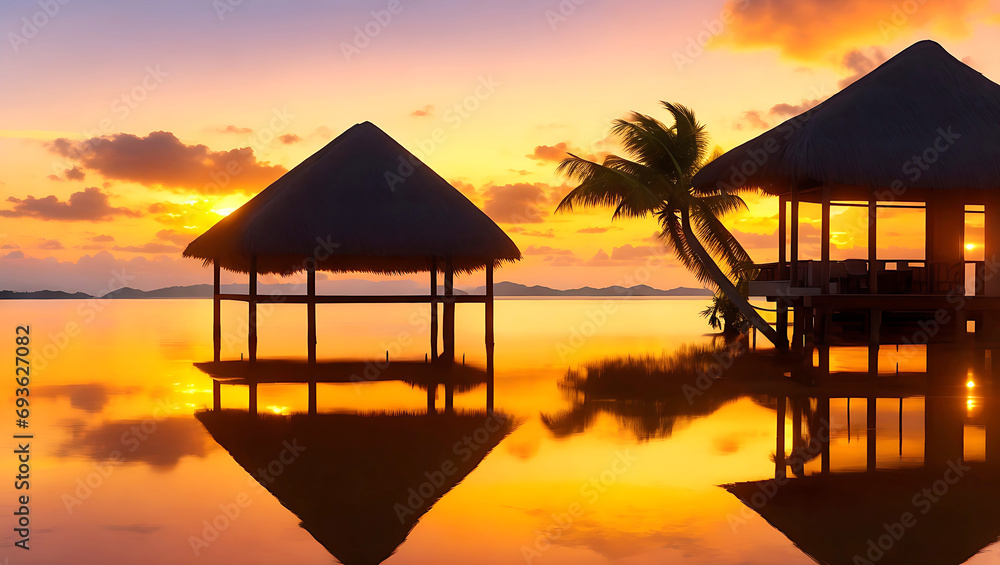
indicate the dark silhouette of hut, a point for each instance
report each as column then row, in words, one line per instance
column 921, row 129
column 361, row 482
column 362, row 203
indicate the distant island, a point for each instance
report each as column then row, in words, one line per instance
column 355, row 288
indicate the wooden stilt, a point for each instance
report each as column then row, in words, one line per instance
column 434, row 311
column 216, row 395
column 431, row 398
column 312, row 397
column 449, row 313
column 871, row 434
column 252, row 313
column 795, row 237
column 311, row 309
column 449, row 397
column 252, row 405
column 824, row 422
column 489, row 338
column 216, row 313
column 779, row 448
column 873, row 246
column 825, row 244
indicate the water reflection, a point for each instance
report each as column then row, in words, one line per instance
column 912, row 479
column 359, row 483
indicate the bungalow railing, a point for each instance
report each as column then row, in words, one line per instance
column 893, row 276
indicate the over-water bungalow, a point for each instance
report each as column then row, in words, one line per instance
column 920, row 132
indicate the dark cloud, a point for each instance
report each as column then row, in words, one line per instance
column 103, row 238
column 784, row 110
column 88, row 205
column 519, row 203
column 10, row 246
column 289, row 138
column 427, row 110
column 152, row 247
column 160, row 160
column 50, row 244
column 14, row 255
column 75, row 173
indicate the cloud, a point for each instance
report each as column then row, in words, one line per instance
column 160, row 160
column 75, row 173
column 174, row 438
column 521, row 172
column 545, row 250
column 554, row 153
column 812, row 30
column 10, row 246
column 50, row 244
column 134, row 528
column 237, row 130
column 597, row 230
column 860, row 64
column 14, row 255
column 88, row 205
column 289, row 138
column 519, row 203
column 175, row 237
column 427, row 110
column 785, row 110
column 103, row 238
column 752, row 120
column 152, row 247
column 629, row 252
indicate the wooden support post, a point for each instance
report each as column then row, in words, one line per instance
column 252, row 405
column 782, row 237
column 489, row 337
column 216, row 312
column 449, row 397
column 216, row 395
column 875, row 327
column 824, row 242
column 431, row 398
column 449, row 313
column 252, row 313
column 312, row 397
column 871, row 440
column 311, row 309
column 779, row 448
column 795, row 236
column 824, row 422
column 781, row 320
column 798, row 327
column 434, row 310
column 872, row 246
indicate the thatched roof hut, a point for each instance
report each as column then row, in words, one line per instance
column 361, row 203
column 353, row 485
column 864, row 135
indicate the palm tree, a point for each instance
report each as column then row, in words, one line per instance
column 657, row 180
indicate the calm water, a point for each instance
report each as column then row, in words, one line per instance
column 571, row 478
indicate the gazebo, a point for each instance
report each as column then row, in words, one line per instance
column 920, row 131
column 362, row 203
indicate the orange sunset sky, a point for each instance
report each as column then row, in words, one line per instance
column 202, row 103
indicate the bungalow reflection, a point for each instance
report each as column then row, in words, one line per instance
column 359, row 483
column 890, row 457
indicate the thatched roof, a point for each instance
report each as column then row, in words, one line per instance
column 351, row 486
column 869, row 133
column 832, row 518
column 364, row 203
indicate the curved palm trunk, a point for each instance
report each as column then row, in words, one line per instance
column 727, row 287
